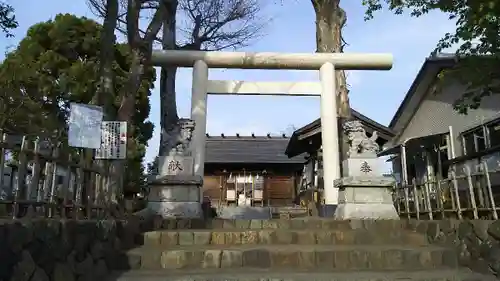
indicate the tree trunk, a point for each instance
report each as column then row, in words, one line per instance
column 105, row 95
column 106, row 90
column 125, row 113
column 168, row 103
column 330, row 19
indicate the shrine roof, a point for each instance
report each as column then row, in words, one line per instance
column 309, row 137
column 249, row 149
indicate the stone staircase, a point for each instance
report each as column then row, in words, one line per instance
column 296, row 249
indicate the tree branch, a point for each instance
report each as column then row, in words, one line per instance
column 211, row 25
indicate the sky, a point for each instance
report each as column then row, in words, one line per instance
column 290, row 28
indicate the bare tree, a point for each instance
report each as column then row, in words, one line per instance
column 207, row 25
column 289, row 130
column 140, row 44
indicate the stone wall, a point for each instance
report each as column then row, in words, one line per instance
column 477, row 241
column 69, row 250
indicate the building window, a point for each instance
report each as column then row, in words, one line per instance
column 494, row 134
column 474, row 141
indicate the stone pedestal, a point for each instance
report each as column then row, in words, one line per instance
column 175, row 196
column 365, row 198
column 176, row 191
column 364, row 193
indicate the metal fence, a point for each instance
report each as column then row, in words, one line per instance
column 38, row 178
column 471, row 190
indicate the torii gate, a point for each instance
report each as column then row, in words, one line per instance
column 326, row 63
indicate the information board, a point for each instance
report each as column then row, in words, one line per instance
column 113, row 140
column 85, row 126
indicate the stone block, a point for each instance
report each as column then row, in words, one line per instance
column 324, row 259
column 376, row 260
column 358, row 259
column 184, row 223
column 306, row 259
column 363, row 237
column 212, row 259
column 100, row 269
column 186, row 238
column 182, row 259
column 365, row 198
column 199, row 223
column 250, row 237
column 39, row 275
column 266, row 236
column 218, row 238
column 217, row 223
column 342, row 260
column 334, row 225
column 344, row 238
column 284, row 237
column 256, row 258
column 242, row 224
column 231, row 259
column 233, row 238
column 325, row 237
column 284, row 224
column 175, row 196
column 494, row 229
column 393, row 259
column 313, row 224
column 25, row 268
column 306, row 237
column 62, row 272
column 450, row 259
column 229, row 224
column 202, row 238
column 173, row 259
column 170, row 223
column 152, row 238
column 151, row 260
column 174, row 193
column 256, row 224
column 176, row 209
column 284, row 259
column 272, row 224
column 413, row 258
column 415, row 239
column 297, row 224
column 169, row 238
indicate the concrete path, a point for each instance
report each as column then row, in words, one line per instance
column 265, row 275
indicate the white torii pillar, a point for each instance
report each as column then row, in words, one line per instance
column 326, row 63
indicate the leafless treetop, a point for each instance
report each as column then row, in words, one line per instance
column 201, row 24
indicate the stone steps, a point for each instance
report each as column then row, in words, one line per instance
column 296, row 249
column 268, row 275
column 165, row 239
column 328, row 257
column 289, row 224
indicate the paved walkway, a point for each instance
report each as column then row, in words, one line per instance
column 265, row 275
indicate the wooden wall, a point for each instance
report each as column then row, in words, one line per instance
column 278, row 190
column 212, row 187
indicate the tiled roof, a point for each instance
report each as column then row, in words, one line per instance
column 248, row 149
